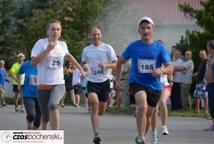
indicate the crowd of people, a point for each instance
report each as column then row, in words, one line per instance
column 152, row 77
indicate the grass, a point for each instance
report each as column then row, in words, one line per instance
column 177, row 113
column 131, row 110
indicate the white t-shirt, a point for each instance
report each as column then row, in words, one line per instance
column 94, row 55
column 187, row 74
column 178, row 77
column 76, row 77
column 50, row 69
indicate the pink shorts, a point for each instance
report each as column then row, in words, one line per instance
column 168, row 87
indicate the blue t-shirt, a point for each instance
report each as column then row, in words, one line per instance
column 30, row 82
column 2, row 76
column 144, row 59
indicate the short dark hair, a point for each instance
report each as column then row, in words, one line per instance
column 174, row 46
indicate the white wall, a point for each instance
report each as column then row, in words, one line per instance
column 122, row 34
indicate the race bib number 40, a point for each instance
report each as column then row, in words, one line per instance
column 97, row 71
column 146, row 65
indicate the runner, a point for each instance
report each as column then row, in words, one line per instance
column 76, row 80
column 13, row 74
column 166, row 83
column 3, row 76
column 68, row 75
column 100, row 58
column 48, row 54
column 33, row 113
column 146, row 57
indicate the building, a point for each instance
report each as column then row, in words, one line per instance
column 121, row 23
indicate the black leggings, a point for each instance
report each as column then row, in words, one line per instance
column 32, row 110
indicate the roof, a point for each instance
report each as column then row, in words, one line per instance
column 163, row 12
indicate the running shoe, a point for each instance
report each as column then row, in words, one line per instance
column 154, row 139
column 139, row 141
column 97, row 140
column 165, row 130
column 22, row 109
column 4, row 104
column 211, row 128
column 16, row 109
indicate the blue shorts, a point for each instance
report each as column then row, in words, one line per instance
column 101, row 89
column 200, row 90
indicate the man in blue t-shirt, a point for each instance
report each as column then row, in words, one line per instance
column 147, row 57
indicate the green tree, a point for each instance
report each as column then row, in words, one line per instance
column 8, row 27
column 196, row 40
column 77, row 17
column 23, row 22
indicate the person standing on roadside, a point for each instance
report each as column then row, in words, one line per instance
column 2, row 81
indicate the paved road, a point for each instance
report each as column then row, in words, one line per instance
column 115, row 129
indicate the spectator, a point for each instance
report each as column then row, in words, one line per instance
column 2, row 81
column 187, row 72
column 200, row 88
column 177, row 80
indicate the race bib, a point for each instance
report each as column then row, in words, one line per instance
column 55, row 62
column 97, row 71
column 33, row 80
column 146, row 65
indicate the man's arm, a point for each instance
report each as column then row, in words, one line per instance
column 119, row 67
column 167, row 70
column 106, row 65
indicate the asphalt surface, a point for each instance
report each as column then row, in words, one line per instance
column 114, row 129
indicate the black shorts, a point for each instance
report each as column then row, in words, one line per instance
column 153, row 96
column 83, row 88
column 68, row 88
column 76, row 89
column 15, row 88
column 101, row 89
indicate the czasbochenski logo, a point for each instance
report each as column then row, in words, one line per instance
column 6, row 137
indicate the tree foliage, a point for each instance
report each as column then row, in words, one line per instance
column 196, row 40
column 23, row 22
